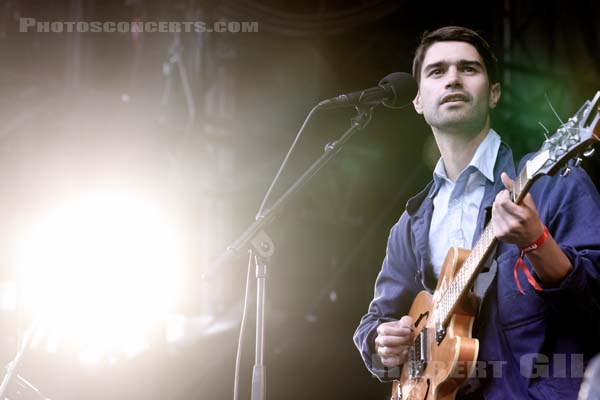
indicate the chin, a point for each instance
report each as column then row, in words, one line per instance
column 461, row 124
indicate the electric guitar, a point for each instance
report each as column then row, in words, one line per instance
column 443, row 355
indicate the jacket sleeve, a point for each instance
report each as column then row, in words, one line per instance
column 572, row 215
column 395, row 288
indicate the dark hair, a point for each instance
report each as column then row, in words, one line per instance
column 455, row 34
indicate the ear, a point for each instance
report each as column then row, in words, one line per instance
column 417, row 103
column 495, row 93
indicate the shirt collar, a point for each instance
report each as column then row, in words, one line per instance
column 483, row 161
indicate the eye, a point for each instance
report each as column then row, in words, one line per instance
column 436, row 72
column 468, row 69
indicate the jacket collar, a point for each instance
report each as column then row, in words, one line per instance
column 483, row 161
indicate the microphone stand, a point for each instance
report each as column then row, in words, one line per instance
column 262, row 245
column 250, row 235
column 12, row 367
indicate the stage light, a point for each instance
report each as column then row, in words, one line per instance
column 102, row 271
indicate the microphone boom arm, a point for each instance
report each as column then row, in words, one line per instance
column 253, row 232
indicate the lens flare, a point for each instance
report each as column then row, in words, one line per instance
column 101, row 271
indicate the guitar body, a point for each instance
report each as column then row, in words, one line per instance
column 451, row 362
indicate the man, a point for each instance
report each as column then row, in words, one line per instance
column 531, row 345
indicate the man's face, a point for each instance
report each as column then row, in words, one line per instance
column 454, row 91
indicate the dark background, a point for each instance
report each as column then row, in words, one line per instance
column 78, row 110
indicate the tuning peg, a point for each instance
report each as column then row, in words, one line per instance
column 563, row 148
column 578, row 161
column 589, row 152
column 565, row 172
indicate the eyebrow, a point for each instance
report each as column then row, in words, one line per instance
column 460, row 63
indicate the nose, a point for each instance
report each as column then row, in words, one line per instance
column 453, row 78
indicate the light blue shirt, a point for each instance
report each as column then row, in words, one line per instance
column 456, row 204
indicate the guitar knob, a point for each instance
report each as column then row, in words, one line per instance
column 589, row 152
column 565, row 172
column 578, row 161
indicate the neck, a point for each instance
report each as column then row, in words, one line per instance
column 458, row 149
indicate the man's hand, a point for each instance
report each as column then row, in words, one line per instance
column 521, row 225
column 512, row 223
column 393, row 341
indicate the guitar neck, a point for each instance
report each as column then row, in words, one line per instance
column 467, row 273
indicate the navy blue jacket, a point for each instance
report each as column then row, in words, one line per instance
column 531, row 346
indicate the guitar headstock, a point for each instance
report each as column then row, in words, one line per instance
column 574, row 138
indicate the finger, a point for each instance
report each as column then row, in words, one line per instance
column 505, row 208
column 498, row 227
column 392, row 341
column 498, row 209
column 511, row 211
column 392, row 361
column 529, row 203
column 397, row 359
column 508, row 183
column 500, row 220
column 503, row 197
column 393, row 330
column 391, row 351
column 406, row 321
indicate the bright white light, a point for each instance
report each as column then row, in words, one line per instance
column 101, row 272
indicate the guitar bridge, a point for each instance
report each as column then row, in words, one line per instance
column 417, row 358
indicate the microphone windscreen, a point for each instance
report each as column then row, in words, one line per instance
column 404, row 87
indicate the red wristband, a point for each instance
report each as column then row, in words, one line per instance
column 537, row 243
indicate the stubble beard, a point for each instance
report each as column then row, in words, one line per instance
column 465, row 121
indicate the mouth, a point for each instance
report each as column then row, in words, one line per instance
column 455, row 98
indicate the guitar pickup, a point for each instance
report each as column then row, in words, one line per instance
column 423, row 344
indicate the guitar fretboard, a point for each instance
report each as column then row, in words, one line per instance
column 481, row 251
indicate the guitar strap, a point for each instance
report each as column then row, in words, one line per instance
column 470, row 389
column 485, row 278
column 488, row 272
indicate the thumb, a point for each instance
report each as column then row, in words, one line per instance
column 406, row 321
column 508, row 183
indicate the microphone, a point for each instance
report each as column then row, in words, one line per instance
column 395, row 90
